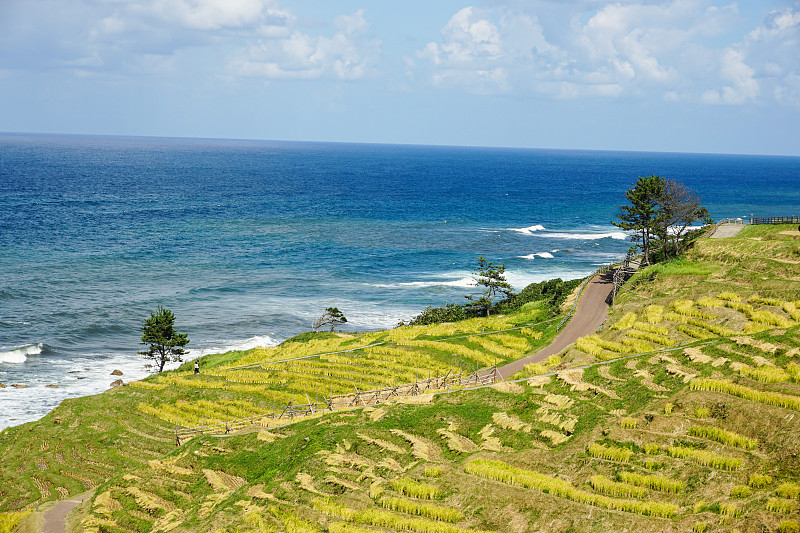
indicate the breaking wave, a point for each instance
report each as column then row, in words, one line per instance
column 529, row 230
column 463, row 282
column 20, row 355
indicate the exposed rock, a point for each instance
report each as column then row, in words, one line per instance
column 2, row 386
column 117, row 383
column 116, row 373
column 18, row 386
column 51, row 386
column 57, row 420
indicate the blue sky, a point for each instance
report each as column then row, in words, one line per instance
column 682, row 75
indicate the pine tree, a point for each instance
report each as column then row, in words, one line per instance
column 165, row 344
column 640, row 216
column 493, row 278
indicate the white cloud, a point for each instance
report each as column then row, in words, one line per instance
column 348, row 54
column 675, row 50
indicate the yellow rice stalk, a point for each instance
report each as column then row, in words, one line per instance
column 613, row 488
column 705, row 457
column 780, row 505
column 429, row 510
column 293, row 523
column 655, row 338
column 777, row 399
column 511, row 475
column 506, row 421
column 653, row 313
column 759, row 481
column 792, row 310
column 789, row 526
column 710, row 302
column 764, row 374
column 559, row 401
column 629, row 422
column 433, row 471
column 150, row 503
column 636, row 345
column 729, row 297
column 415, row 489
column 788, row 490
column 725, row 437
column 729, row 509
column 741, row 491
column 385, row 519
column 700, row 527
column 625, row 322
column 611, row 453
column 554, row 436
column 658, row 483
column 756, row 299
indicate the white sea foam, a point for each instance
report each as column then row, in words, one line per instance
column 529, row 230
column 462, row 282
column 618, row 235
column 543, row 255
column 20, row 354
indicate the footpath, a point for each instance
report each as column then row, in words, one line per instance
column 590, row 314
column 726, row 230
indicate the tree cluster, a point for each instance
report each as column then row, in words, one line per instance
column 660, row 213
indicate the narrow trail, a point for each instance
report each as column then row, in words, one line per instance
column 591, row 312
column 55, row 518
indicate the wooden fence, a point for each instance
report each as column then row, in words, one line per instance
column 353, row 400
column 776, row 220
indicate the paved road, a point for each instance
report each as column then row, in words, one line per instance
column 727, row 230
column 56, row 517
column 590, row 314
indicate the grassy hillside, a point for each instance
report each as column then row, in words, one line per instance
column 682, row 414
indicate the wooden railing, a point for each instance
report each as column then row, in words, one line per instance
column 353, row 400
column 776, row 220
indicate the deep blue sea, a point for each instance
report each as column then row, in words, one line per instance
column 248, row 241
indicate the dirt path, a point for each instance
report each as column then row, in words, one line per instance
column 591, row 312
column 55, row 518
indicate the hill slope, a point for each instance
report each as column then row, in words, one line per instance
column 698, row 433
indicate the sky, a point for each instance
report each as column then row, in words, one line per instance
column 668, row 76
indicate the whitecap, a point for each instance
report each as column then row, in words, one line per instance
column 543, row 255
column 20, row 354
column 529, row 230
column 617, row 235
column 462, row 282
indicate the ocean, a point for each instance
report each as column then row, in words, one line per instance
column 247, row 242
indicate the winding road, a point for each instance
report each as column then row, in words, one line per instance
column 590, row 314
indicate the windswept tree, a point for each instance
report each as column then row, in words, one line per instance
column 660, row 212
column 679, row 207
column 641, row 214
column 331, row 316
column 165, row 344
column 492, row 277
